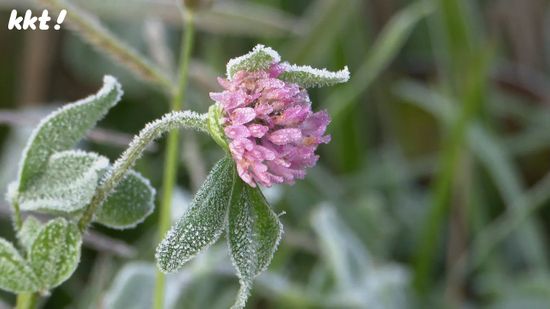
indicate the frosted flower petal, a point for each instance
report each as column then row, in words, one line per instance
column 270, row 127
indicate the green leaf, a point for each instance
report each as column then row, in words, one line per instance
column 309, row 77
column 28, row 232
column 15, row 274
column 55, row 253
column 203, row 223
column 260, row 58
column 129, row 204
column 67, row 184
column 253, row 232
column 62, row 129
column 132, row 287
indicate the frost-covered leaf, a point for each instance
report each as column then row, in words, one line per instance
column 55, row 253
column 67, row 184
column 309, row 77
column 132, row 287
column 203, row 223
column 15, row 274
column 129, row 204
column 28, row 232
column 253, row 232
column 62, row 129
column 261, row 57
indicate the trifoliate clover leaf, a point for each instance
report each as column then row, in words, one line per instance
column 309, row 77
column 15, row 274
column 129, row 204
column 203, row 223
column 260, row 58
column 253, row 233
column 62, row 129
column 55, row 253
column 67, row 184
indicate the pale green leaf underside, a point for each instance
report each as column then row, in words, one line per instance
column 129, row 204
column 55, row 253
column 67, row 184
column 203, row 223
column 15, row 274
column 309, row 77
column 62, row 129
column 28, row 232
column 254, row 232
column 260, row 58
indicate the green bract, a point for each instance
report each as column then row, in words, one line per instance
column 203, row 223
column 260, row 58
column 253, row 233
column 309, row 77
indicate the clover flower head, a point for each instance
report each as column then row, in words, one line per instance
column 271, row 130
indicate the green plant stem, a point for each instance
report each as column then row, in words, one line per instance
column 17, row 219
column 169, row 123
column 26, row 301
column 171, row 159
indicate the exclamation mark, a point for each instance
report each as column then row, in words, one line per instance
column 60, row 19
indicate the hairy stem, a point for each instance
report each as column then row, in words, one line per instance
column 100, row 37
column 171, row 159
column 152, row 131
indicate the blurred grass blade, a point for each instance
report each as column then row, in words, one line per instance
column 489, row 150
column 101, row 38
column 390, row 41
column 322, row 24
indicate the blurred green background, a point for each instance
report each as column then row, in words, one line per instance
column 431, row 194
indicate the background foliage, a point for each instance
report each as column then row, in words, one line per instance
column 432, row 192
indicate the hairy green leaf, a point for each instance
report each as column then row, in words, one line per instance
column 203, row 223
column 55, row 253
column 129, row 204
column 309, row 77
column 67, row 184
column 260, row 58
column 62, row 129
column 253, row 232
column 15, row 274
column 28, row 232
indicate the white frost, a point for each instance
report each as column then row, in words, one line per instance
column 257, row 49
